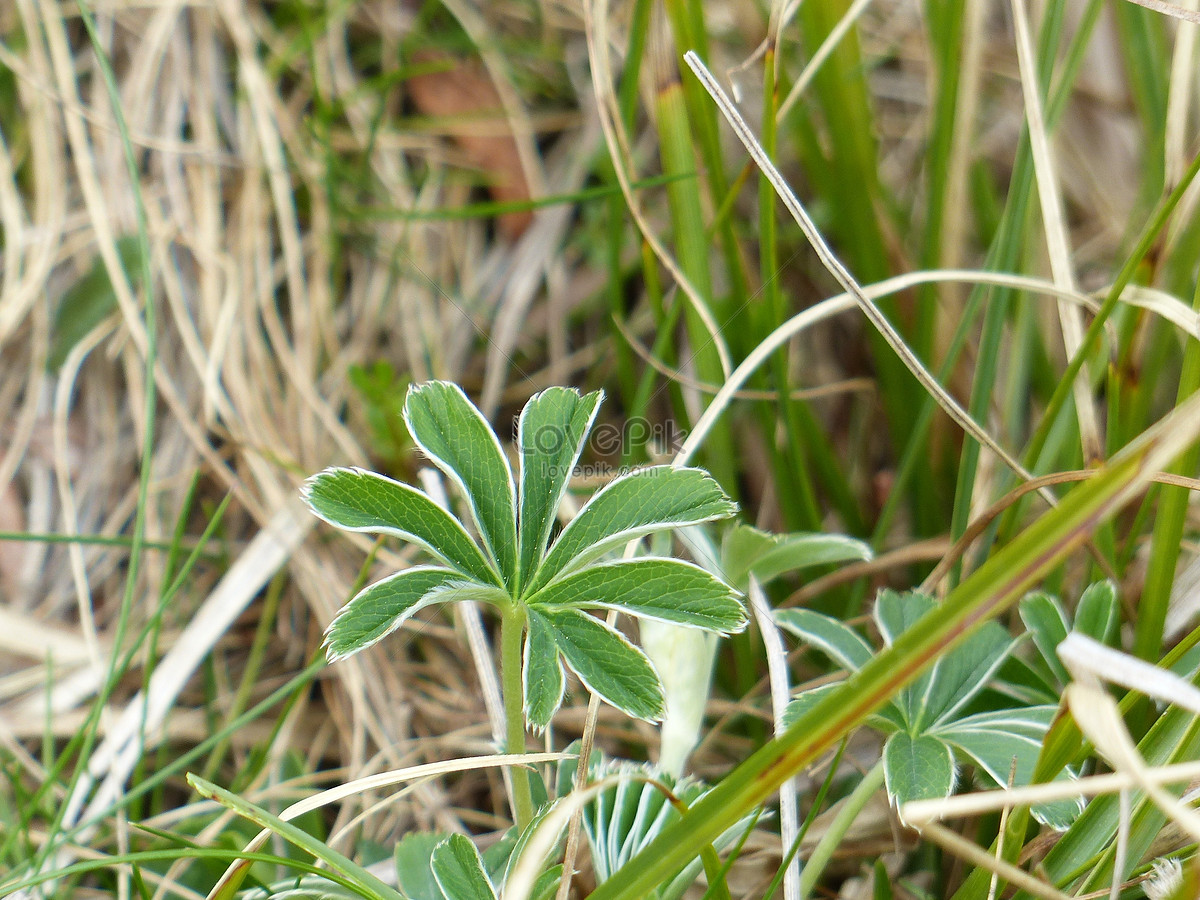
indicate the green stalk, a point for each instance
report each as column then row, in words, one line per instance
column 692, row 248
column 1168, row 525
column 841, row 823
column 512, row 627
column 991, row 589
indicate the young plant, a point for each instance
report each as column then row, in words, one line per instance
column 542, row 589
column 937, row 718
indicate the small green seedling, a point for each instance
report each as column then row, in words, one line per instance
column 544, row 589
column 937, row 718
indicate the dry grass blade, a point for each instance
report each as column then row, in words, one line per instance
column 1055, row 223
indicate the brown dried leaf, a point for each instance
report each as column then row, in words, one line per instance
column 461, row 89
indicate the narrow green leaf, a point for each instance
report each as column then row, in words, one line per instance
column 357, row 500
column 917, row 768
column 669, row 590
column 607, row 664
column 543, row 673
column 645, row 500
column 459, row 872
column 835, row 639
column 1047, row 623
column 995, row 739
column 460, row 442
column 1098, row 612
column 383, row 607
column 551, row 432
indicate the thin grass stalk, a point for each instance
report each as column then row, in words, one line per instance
column 692, row 247
column 796, row 495
column 1010, row 240
column 1168, row 525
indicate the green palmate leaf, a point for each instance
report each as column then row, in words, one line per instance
column 747, row 551
column 1048, row 625
column 383, row 607
column 669, row 590
column 553, row 427
column 838, row 641
column 356, row 500
column 917, row 768
column 896, row 613
column 1098, row 612
column 453, row 433
column 651, row 499
column 607, row 664
column 961, row 674
column 459, row 872
column 543, row 673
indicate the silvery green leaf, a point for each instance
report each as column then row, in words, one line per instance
column 357, row 500
column 802, row 703
column 917, row 768
column 542, row 671
column 414, row 872
column 895, row 614
column 958, row 676
column 1098, row 613
column 382, row 607
column 551, row 432
column 1047, row 623
column 835, row 639
column 459, row 872
column 995, row 739
column 645, row 500
column 748, row 551
column 608, row 664
column 460, row 442
column 668, row 590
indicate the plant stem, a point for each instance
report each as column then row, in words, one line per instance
column 512, row 627
column 832, row 838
